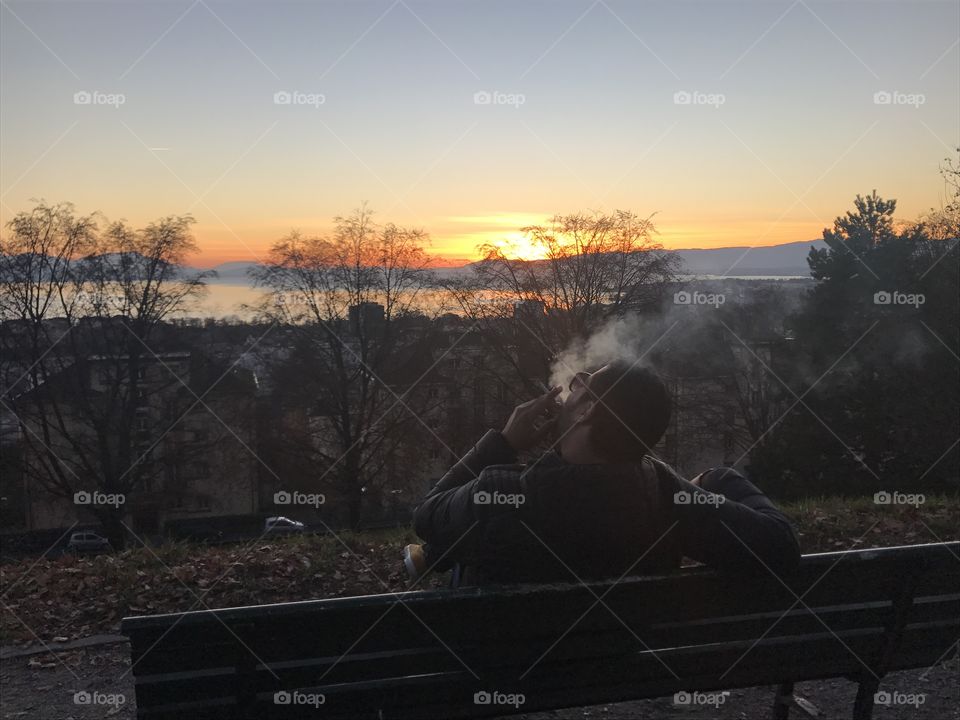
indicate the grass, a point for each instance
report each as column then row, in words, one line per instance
column 832, row 523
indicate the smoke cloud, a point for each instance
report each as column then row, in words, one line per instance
column 631, row 337
column 618, row 339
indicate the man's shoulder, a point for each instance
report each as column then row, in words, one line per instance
column 495, row 476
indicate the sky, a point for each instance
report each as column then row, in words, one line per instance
column 737, row 123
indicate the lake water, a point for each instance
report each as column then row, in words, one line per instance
column 225, row 299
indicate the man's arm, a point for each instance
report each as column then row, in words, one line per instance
column 728, row 523
column 448, row 517
column 447, row 513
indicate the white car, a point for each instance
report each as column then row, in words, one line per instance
column 280, row 525
column 87, row 542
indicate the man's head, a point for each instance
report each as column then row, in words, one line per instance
column 615, row 414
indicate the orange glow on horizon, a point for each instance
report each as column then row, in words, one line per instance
column 452, row 247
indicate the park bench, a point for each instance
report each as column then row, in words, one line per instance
column 488, row 652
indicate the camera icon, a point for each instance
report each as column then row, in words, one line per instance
column 882, row 298
column 882, row 97
column 682, row 97
column 681, row 497
column 882, row 498
column 82, row 497
column 482, row 498
column 882, row 698
column 482, row 698
column 82, row 698
column 482, row 97
column 282, row 97
column 282, row 698
column 282, row 498
column 82, row 98
column 682, row 298
column 682, row 698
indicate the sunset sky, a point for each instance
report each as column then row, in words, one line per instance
column 784, row 124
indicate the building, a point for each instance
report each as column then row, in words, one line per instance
column 180, row 431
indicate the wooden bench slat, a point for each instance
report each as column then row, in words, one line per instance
column 270, row 643
column 698, row 622
column 844, row 650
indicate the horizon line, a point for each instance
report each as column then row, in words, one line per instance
column 448, row 262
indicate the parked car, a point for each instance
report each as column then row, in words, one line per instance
column 282, row 526
column 87, row 541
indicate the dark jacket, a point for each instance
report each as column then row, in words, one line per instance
column 553, row 521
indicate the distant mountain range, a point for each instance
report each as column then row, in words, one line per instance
column 787, row 260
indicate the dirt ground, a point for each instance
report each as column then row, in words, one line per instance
column 43, row 687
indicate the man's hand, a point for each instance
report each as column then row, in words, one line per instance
column 530, row 422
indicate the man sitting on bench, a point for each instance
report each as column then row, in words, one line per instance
column 599, row 506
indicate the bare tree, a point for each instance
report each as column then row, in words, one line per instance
column 594, row 267
column 943, row 223
column 80, row 309
column 352, row 302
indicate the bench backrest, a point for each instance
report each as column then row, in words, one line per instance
column 445, row 654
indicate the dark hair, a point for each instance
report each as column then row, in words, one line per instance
column 632, row 414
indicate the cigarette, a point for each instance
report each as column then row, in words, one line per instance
column 542, row 385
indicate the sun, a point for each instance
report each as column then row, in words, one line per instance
column 518, row 246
